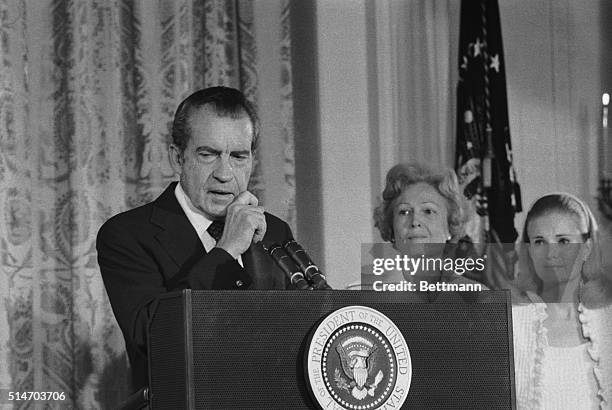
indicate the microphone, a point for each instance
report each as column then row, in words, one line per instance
column 284, row 261
column 306, row 265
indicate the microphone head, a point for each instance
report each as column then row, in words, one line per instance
column 306, row 265
column 288, row 266
column 301, row 258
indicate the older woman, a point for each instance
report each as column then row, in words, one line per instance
column 563, row 328
column 420, row 205
column 421, row 211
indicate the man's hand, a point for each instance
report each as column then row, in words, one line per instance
column 245, row 223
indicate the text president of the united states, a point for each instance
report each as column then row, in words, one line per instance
column 204, row 232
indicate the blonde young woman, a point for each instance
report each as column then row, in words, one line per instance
column 563, row 323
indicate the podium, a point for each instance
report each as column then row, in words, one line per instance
column 247, row 349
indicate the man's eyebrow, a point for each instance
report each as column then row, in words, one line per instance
column 208, row 149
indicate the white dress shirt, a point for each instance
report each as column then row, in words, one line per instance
column 199, row 222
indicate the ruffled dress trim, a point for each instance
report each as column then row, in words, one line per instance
column 541, row 342
column 597, row 328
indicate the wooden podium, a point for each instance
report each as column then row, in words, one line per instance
column 246, row 349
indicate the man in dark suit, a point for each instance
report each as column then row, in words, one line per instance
column 204, row 232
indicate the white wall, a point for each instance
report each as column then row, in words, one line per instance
column 554, row 91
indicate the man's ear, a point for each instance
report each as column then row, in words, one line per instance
column 176, row 158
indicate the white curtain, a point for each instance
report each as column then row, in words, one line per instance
column 416, row 80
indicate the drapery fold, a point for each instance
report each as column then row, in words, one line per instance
column 416, row 81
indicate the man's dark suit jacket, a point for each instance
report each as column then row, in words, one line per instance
column 154, row 249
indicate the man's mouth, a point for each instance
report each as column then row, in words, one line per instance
column 221, row 193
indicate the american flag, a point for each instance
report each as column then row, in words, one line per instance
column 484, row 151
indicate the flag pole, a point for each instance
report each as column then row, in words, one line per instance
column 487, row 158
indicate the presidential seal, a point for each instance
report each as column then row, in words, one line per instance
column 358, row 360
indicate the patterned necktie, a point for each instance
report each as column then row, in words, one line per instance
column 216, row 230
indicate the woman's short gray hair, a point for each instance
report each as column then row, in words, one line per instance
column 401, row 176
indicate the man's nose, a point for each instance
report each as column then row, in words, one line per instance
column 223, row 170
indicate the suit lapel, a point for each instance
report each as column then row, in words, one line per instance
column 177, row 237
